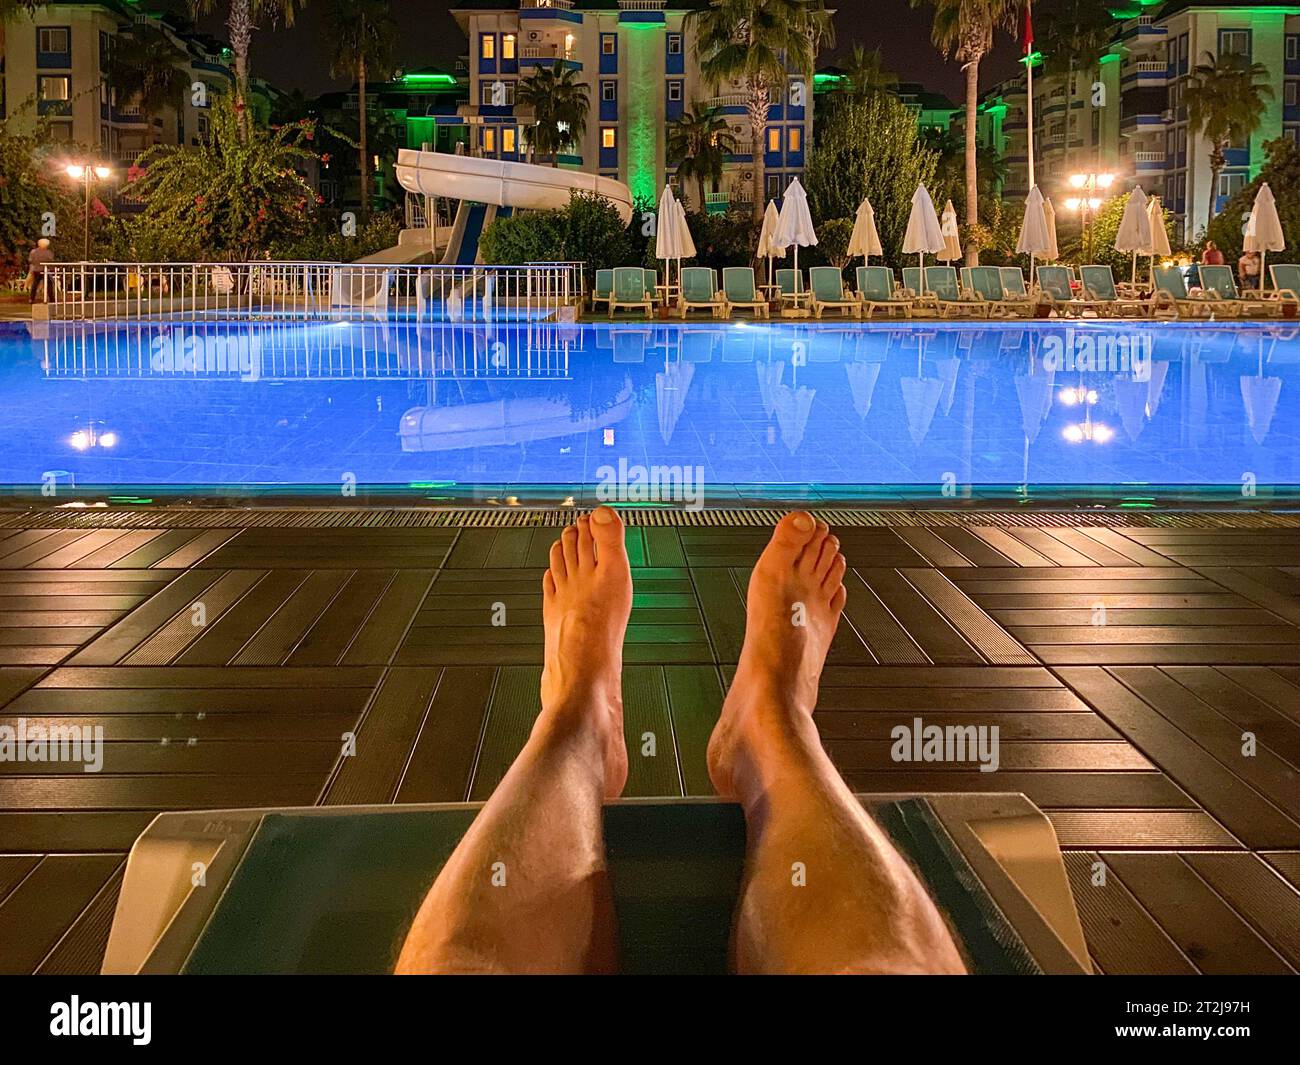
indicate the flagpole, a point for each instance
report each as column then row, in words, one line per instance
column 1029, row 89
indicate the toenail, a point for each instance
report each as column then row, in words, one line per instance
column 803, row 522
column 602, row 515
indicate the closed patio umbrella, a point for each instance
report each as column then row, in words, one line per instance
column 1264, row 230
column 766, row 248
column 1035, row 241
column 865, row 240
column 924, row 233
column 668, row 234
column 1134, row 228
column 794, row 226
column 1049, row 214
column 951, row 234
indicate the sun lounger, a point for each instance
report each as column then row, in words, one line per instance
column 828, row 292
column 790, row 287
column 630, row 290
column 1172, row 300
column 1219, row 280
column 1286, row 284
column 700, row 292
column 876, row 290
column 942, row 281
column 1099, row 284
column 738, row 291
column 986, row 285
column 1054, row 283
column 604, row 288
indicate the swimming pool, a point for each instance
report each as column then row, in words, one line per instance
column 1114, row 411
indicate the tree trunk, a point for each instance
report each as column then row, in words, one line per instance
column 240, row 25
column 362, row 139
column 759, row 99
column 972, row 177
column 1218, row 160
column 704, row 202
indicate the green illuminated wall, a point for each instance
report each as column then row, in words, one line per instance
column 645, row 83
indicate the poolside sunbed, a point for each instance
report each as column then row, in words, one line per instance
column 700, row 292
column 1172, row 300
column 630, row 290
column 986, row 285
column 790, row 287
column 876, row 289
column 1054, row 284
column 1219, row 280
column 828, row 292
column 1099, row 284
column 603, row 289
column 942, row 281
column 738, row 291
column 1286, row 284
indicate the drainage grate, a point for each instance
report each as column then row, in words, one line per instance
column 553, row 517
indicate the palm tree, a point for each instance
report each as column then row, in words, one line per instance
column 145, row 67
column 963, row 30
column 559, row 105
column 1226, row 99
column 698, row 145
column 361, row 36
column 759, row 43
column 867, row 75
column 1074, row 33
column 242, row 20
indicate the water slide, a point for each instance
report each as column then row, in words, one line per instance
column 484, row 184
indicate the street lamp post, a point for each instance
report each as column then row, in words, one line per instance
column 85, row 173
column 1087, row 204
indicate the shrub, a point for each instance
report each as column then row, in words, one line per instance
column 587, row 230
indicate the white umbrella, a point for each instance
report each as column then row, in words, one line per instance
column 766, row 248
column 864, row 240
column 794, row 225
column 1134, row 228
column 1159, row 235
column 951, row 234
column 684, row 237
column 1049, row 213
column 1035, row 240
column 924, row 234
column 668, row 244
column 1264, row 230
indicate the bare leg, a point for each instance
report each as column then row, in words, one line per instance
column 526, row 890
column 824, row 889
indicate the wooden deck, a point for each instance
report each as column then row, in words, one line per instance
column 1129, row 734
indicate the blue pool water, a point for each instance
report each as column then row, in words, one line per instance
column 777, row 407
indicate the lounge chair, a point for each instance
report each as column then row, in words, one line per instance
column 1286, row 284
column 914, row 286
column 876, row 289
column 828, row 291
column 790, row 286
column 1099, row 284
column 1013, row 283
column 700, row 292
column 1219, row 280
column 986, row 285
column 630, row 290
column 1172, row 300
column 738, row 291
column 604, row 288
column 942, row 281
column 1054, row 283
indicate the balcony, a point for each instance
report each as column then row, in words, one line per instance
column 728, row 99
column 640, row 5
column 560, row 5
column 547, row 51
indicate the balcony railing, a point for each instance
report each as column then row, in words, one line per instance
column 562, row 5
column 546, row 51
column 727, row 99
column 640, row 5
column 1148, row 157
column 1148, row 66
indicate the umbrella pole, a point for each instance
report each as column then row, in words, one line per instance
column 1263, row 272
column 1134, row 278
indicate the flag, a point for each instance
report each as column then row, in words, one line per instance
column 1029, row 30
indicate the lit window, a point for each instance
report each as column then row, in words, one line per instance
column 55, row 87
column 773, row 140
column 489, row 140
column 608, row 42
column 53, row 39
column 508, row 46
column 508, row 139
column 609, row 137
column 674, row 90
column 487, row 46
column 796, row 139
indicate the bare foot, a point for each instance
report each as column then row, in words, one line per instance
column 796, row 596
column 586, row 600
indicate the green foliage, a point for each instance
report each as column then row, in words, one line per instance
column 698, row 144
column 871, row 150
column 1282, row 175
column 1104, row 228
column 31, row 184
column 587, row 230
column 833, row 240
column 999, row 233
column 228, row 199
column 721, row 240
column 144, row 67
column 559, row 104
column 326, row 243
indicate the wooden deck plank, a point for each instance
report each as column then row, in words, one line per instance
column 653, row 769
column 120, row 640
column 1086, row 790
column 923, row 622
column 510, row 718
column 1258, row 895
column 1150, row 829
column 442, row 757
column 80, row 950
column 987, row 636
column 40, row 909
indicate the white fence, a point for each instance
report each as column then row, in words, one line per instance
column 311, row 291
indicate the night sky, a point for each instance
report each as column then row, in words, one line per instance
column 429, row 36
